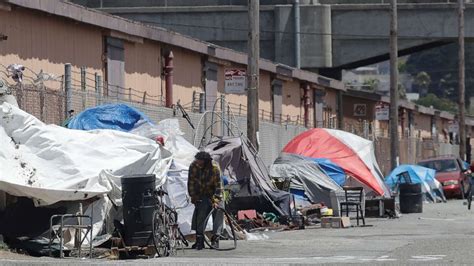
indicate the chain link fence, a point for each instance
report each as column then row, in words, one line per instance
column 49, row 101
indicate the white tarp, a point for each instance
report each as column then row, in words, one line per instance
column 49, row 163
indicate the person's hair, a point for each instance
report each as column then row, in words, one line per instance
column 204, row 156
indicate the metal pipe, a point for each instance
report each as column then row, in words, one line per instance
column 297, row 17
column 223, row 115
column 83, row 87
column 202, row 102
column 99, row 89
column 67, row 89
column 169, row 78
column 306, row 89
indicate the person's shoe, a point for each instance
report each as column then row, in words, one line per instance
column 194, row 245
column 215, row 241
column 199, row 242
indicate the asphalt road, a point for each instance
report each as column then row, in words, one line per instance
column 442, row 234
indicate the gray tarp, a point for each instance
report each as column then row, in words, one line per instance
column 305, row 175
column 248, row 177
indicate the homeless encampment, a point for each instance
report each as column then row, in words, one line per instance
column 431, row 187
column 55, row 165
column 249, row 180
column 355, row 155
column 306, row 175
column 125, row 118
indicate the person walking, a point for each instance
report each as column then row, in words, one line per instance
column 205, row 191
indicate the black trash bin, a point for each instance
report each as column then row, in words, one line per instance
column 138, row 206
column 411, row 198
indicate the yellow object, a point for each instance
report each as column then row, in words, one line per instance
column 326, row 212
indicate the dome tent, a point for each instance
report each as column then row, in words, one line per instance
column 355, row 155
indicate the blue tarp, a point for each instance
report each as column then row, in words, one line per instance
column 418, row 175
column 331, row 169
column 110, row 116
column 467, row 166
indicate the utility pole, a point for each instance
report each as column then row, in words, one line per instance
column 296, row 8
column 394, row 144
column 253, row 71
column 462, row 121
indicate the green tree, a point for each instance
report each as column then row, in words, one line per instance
column 441, row 64
column 402, row 67
column 402, row 92
column 442, row 104
column 370, row 84
column 423, row 81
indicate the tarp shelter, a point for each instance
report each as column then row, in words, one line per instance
column 306, row 175
column 109, row 116
column 334, row 171
column 352, row 153
column 248, row 177
column 51, row 164
column 418, row 175
column 122, row 117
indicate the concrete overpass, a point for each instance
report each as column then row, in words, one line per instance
column 332, row 36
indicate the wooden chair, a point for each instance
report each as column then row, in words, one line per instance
column 354, row 197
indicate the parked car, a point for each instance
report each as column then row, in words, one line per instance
column 451, row 172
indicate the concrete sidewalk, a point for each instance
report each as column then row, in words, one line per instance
column 442, row 234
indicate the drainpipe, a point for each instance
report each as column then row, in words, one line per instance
column 306, row 102
column 296, row 7
column 169, row 78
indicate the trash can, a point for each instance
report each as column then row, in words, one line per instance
column 138, row 206
column 411, row 198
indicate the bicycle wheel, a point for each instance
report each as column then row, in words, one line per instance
column 173, row 234
column 160, row 234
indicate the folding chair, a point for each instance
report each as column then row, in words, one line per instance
column 56, row 232
column 354, row 197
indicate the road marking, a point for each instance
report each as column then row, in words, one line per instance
column 427, row 257
column 384, row 258
column 379, row 259
column 437, row 219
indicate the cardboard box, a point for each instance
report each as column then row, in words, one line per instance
column 335, row 222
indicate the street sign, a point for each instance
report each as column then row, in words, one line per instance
column 235, row 81
column 382, row 112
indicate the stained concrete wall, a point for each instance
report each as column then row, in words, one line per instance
column 422, row 125
column 143, row 68
column 46, row 43
column 332, row 36
column 187, row 75
column 222, row 26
